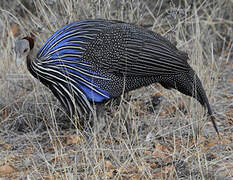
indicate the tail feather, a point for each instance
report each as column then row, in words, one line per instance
column 189, row 84
column 200, row 94
column 202, row 98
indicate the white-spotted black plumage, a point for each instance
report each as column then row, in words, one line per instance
column 93, row 61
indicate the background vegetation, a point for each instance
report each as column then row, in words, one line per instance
column 37, row 139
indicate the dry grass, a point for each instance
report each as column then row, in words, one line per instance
column 38, row 141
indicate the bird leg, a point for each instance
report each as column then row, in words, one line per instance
column 124, row 109
column 98, row 121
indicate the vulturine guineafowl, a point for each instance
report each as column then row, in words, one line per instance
column 92, row 61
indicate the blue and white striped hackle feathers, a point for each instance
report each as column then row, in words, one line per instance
column 92, row 61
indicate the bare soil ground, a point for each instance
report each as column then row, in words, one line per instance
column 169, row 138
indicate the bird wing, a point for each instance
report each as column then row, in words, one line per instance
column 116, row 47
column 129, row 50
column 72, row 35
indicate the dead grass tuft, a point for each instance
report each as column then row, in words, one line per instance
column 37, row 139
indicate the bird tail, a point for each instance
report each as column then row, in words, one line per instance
column 189, row 84
column 199, row 93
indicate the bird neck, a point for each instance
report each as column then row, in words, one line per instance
column 33, row 66
column 30, row 66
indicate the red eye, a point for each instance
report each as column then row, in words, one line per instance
column 25, row 50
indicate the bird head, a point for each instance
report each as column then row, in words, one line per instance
column 22, row 48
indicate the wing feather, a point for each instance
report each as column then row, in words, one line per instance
column 136, row 52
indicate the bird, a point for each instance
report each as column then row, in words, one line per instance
column 92, row 61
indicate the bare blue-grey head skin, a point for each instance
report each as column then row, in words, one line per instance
column 92, row 61
column 22, row 50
